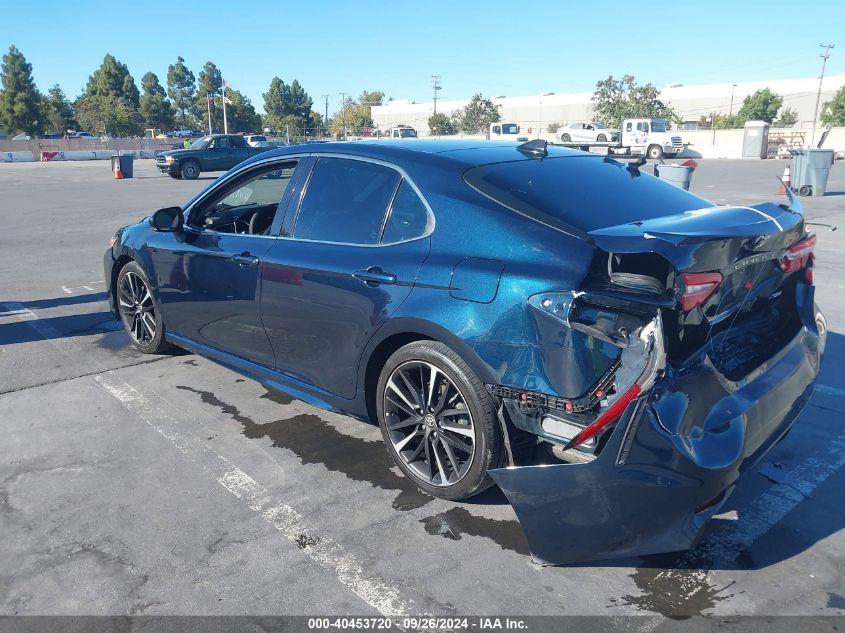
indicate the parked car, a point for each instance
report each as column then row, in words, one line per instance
column 218, row 152
column 577, row 131
column 181, row 133
column 85, row 135
column 253, row 139
column 481, row 302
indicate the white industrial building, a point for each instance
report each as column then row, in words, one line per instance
column 690, row 102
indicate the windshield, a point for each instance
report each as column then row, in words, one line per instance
column 200, row 143
column 587, row 193
column 659, row 125
column 510, row 128
column 407, row 133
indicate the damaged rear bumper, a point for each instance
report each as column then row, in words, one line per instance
column 670, row 463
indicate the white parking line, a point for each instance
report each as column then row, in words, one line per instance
column 72, row 289
column 326, row 552
column 320, row 548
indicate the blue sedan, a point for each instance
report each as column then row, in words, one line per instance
column 611, row 350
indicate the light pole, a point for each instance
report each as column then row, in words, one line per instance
column 731, row 111
column 824, row 57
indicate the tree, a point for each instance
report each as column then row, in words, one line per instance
column 209, row 83
column 618, row 99
column 763, row 105
column 240, row 113
column 20, row 102
column 554, row 127
column 787, row 118
column 440, row 124
column 108, row 115
column 155, row 109
column 181, row 88
column 356, row 113
column 833, row 111
column 58, row 111
column 112, row 79
column 286, row 105
column 476, row 116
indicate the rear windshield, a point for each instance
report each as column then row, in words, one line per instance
column 584, row 192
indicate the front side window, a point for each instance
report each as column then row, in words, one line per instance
column 628, row 126
column 218, row 142
column 346, row 201
column 409, row 217
column 247, row 205
column 407, row 133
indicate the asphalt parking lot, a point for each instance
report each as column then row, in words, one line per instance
column 132, row 484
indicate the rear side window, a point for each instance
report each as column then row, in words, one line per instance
column 409, row 217
column 237, row 141
column 346, row 201
column 587, row 193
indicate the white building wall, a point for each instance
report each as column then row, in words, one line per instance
column 690, row 102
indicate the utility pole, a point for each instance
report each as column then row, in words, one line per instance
column 435, row 86
column 326, row 119
column 343, row 112
column 824, row 57
column 208, row 105
column 731, row 111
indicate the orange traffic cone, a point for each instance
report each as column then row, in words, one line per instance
column 118, row 175
column 785, row 182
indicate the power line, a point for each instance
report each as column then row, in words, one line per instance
column 824, row 57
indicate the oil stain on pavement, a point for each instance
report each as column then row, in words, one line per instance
column 676, row 592
column 456, row 522
column 314, row 441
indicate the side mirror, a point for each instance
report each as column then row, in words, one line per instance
column 167, row 219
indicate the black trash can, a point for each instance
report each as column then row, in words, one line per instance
column 127, row 164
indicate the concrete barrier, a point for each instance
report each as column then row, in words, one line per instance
column 17, row 157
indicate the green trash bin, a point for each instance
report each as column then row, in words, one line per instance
column 810, row 168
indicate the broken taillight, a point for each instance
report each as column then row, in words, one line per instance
column 798, row 255
column 697, row 288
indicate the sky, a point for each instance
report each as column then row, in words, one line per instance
column 496, row 48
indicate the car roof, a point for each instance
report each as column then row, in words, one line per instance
column 466, row 152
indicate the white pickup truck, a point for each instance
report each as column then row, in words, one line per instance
column 639, row 136
column 507, row 132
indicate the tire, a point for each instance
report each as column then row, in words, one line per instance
column 804, row 190
column 654, row 152
column 189, row 169
column 133, row 297
column 565, row 138
column 601, row 138
column 411, row 371
column 176, row 176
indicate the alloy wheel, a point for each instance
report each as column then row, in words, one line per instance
column 429, row 423
column 138, row 308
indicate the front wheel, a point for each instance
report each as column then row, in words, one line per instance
column 655, row 152
column 601, row 138
column 438, row 421
column 175, row 176
column 190, row 170
column 139, row 310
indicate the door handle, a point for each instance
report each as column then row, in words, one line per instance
column 245, row 260
column 374, row 276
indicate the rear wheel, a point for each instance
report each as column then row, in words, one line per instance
column 804, row 190
column 190, row 170
column 655, row 152
column 139, row 310
column 566, row 138
column 438, row 421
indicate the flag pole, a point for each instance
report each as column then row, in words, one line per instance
column 225, row 122
column 208, row 105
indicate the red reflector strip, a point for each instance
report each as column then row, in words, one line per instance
column 605, row 419
column 698, row 288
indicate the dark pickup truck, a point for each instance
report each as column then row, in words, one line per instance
column 217, row 152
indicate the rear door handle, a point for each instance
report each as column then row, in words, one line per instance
column 374, row 276
column 245, row 260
